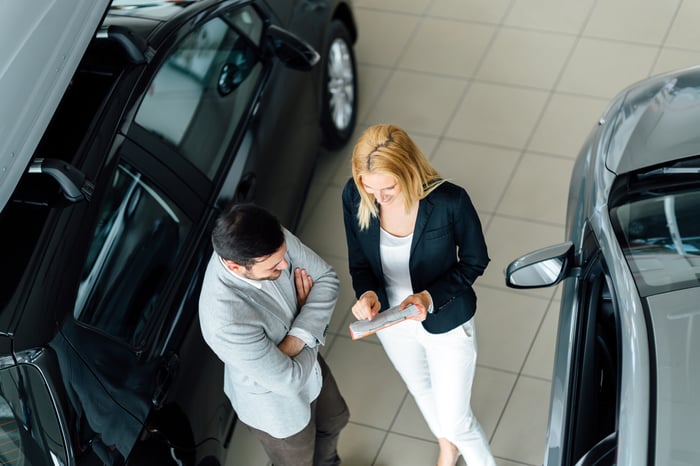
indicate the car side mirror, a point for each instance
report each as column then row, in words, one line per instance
column 291, row 50
column 544, row 267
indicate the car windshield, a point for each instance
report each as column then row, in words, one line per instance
column 655, row 221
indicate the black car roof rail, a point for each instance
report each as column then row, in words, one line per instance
column 137, row 49
column 74, row 184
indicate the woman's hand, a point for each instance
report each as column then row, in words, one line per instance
column 422, row 301
column 367, row 307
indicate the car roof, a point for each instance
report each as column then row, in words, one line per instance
column 39, row 55
column 654, row 121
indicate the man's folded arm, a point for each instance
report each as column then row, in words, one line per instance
column 248, row 351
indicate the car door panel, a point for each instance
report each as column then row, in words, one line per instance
column 593, row 387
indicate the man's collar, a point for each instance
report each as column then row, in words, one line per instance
column 256, row 283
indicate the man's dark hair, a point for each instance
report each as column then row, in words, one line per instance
column 246, row 232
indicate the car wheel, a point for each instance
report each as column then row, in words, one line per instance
column 339, row 111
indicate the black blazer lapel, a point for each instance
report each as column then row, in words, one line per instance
column 425, row 208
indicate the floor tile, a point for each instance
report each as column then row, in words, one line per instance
column 418, row 102
column 648, row 20
column 346, row 297
column 526, row 58
column 427, row 144
column 245, row 450
column 509, row 238
column 603, row 68
column 488, row 11
column 358, row 445
column 522, row 432
column 673, row 59
column 541, row 357
column 344, row 171
column 684, row 32
column 438, row 47
column 567, row 16
column 506, row 326
column 497, row 114
column 406, row 451
column 490, row 392
column 482, row 170
column 502, row 462
column 539, row 189
column 566, row 123
column 369, row 383
column 371, row 82
column 391, row 30
column 410, row 421
column 416, row 7
column 324, row 231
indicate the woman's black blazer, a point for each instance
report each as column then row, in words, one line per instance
column 448, row 253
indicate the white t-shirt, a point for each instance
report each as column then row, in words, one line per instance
column 395, row 252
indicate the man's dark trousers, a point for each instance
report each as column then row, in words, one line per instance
column 317, row 443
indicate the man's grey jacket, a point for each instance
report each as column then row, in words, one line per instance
column 244, row 324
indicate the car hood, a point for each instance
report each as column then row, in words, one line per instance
column 40, row 48
column 653, row 121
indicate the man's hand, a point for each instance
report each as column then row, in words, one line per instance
column 367, row 307
column 303, row 283
column 291, row 345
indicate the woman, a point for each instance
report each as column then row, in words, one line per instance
column 415, row 238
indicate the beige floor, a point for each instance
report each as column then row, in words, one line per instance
column 500, row 94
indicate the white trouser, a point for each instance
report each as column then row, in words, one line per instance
column 438, row 370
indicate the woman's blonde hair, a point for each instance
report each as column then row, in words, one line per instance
column 387, row 150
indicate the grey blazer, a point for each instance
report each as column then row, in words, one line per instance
column 243, row 325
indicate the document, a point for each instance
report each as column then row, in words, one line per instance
column 393, row 315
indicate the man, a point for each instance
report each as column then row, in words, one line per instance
column 264, row 309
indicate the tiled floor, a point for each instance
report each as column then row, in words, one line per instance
column 500, row 94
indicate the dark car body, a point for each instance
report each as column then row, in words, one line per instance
column 176, row 110
column 626, row 372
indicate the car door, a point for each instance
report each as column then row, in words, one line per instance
column 229, row 117
column 585, row 390
column 114, row 347
column 587, row 366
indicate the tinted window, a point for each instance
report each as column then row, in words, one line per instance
column 660, row 236
column 133, row 251
column 29, row 429
column 205, row 87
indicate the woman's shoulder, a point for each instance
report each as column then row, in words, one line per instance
column 447, row 191
column 350, row 190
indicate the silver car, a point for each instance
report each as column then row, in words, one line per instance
column 626, row 379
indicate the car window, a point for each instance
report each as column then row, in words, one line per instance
column 660, row 237
column 30, row 432
column 204, row 88
column 133, row 252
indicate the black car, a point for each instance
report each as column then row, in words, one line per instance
column 175, row 110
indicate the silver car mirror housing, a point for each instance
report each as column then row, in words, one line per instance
column 541, row 268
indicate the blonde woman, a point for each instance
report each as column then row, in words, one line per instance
column 415, row 238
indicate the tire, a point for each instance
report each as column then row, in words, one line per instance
column 339, row 106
